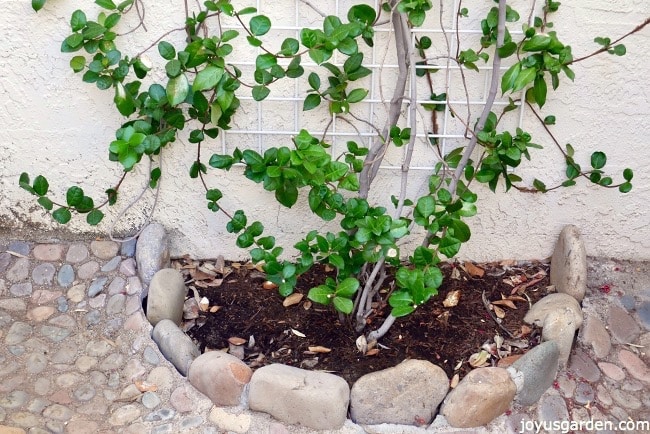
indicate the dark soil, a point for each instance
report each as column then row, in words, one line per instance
column 446, row 336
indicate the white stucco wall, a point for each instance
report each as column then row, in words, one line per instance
column 52, row 123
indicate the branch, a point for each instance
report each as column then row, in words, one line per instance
column 602, row 50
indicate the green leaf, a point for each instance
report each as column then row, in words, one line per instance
column 336, row 260
column 311, row 101
column 461, row 230
column 94, row 217
column 628, row 174
column 106, row 4
column 74, row 196
column 508, row 79
column 177, row 89
column 72, row 43
column 426, row 206
column 357, row 95
column 539, row 90
column 347, row 288
column 290, row 46
column 619, row 50
column 213, row 194
column 507, row 49
column 314, row 81
column 626, row 187
column 37, row 5
column 166, row 50
column 45, row 203
column 260, row 92
column 62, row 215
column 598, row 160
column 41, row 185
column 538, row 42
column 322, row 294
column 524, row 78
column 343, row 305
column 78, row 20
column 401, row 311
column 539, row 185
column 549, row 120
column 265, row 61
column 259, row 25
column 78, row 63
column 207, row 78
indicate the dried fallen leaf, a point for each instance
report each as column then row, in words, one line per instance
column 479, row 360
column 269, row 285
column 362, row 344
column 307, row 305
column 143, row 386
column 298, row 333
column 237, row 340
column 505, row 302
column 292, row 299
column 473, row 270
column 525, row 330
column 204, row 304
column 319, row 349
column 214, row 309
column 455, row 274
column 443, row 318
column 500, row 313
column 452, row 299
column 454, row 381
column 372, row 352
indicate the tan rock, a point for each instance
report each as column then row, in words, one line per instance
column 481, row 396
column 569, row 264
column 220, row 376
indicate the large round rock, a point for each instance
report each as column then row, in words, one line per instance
column 220, row 376
column 481, row 396
column 406, row 394
column 152, row 252
column 166, row 297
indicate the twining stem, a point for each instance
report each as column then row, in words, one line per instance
column 603, row 49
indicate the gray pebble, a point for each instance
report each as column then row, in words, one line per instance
column 62, row 304
column 113, row 379
column 19, row 271
column 112, row 264
column 84, row 392
column 65, row 276
column 16, row 350
column 93, row 317
column 150, row 356
column 55, row 427
column 97, row 286
column 15, row 399
column 191, row 422
column 644, row 314
column 18, row 333
column 160, row 415
column 628, row 302
column 43, row 274
column 19, row 247
column 117, row 286
column 128, row 248
column 21, row 289
column 38, row 405
column 115, row 304
column 162, row 429
column 55, row 334
column 150, row 400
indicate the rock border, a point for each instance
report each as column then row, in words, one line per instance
column 411, row 393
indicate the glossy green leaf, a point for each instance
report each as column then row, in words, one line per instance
column 166, row 50
column 177, row 89
column 37, row 5
column 347, row 288
column 322, row 294
column 598, row 160
column 94, row 217
column 62, row 215
column 311, row 101
column 41, row 185
column 357, row 95
column 626, row 187
column 260, row 92
column 628, row 174
column 207, row 78
column 343, row 305
column 106, row 4
column 259, row 25
column 45, row 203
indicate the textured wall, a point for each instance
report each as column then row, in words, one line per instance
column 52, row 123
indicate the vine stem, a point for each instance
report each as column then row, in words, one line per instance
column 602, row 50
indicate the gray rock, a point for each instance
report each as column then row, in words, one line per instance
column 5, row 260
column 19, row 247
column 78, row 252
column 559, row 328
column 115, row 304
column 569, row 264
column 48, row 252
column 220, row 376
column 622, row 326
column 481, row 396
column 295, row 396
column 644, row 314
column 554, row 303
column 96, row 286
column 21, row 289
column 43, row 274
column 166, row 296
column 584, row 393
column 175, row 345
column 594, row 334
column 112, row 264
column 152, row 252
column 583, row 367
column 404, row 394
column 19, row 271
column 552, row 407
column 65, row 276
column 539, row 367
column 128, row 248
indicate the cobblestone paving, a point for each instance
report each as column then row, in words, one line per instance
column 76, row 357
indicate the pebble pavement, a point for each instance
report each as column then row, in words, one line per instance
column 74, row 356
